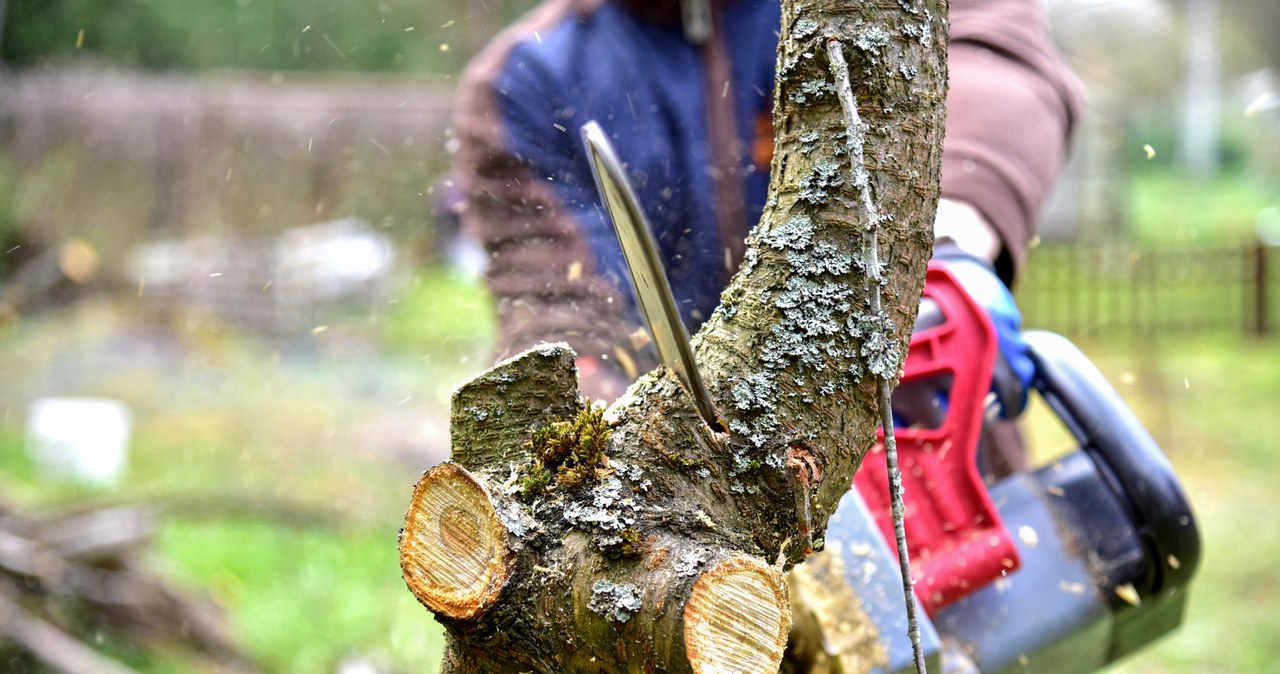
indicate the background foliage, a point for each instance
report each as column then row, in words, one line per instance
column 382, row 36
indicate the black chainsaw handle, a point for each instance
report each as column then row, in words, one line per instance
column 1122, row 448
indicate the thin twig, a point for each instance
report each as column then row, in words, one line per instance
column 871, row 255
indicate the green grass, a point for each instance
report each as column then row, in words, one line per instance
column 1168, row 209
column 302, row 585
column 438, row 313
column 302, row 598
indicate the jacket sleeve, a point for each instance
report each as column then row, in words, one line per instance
column 530, row 206
column 1012, row 106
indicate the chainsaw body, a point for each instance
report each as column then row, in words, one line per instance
column 1059, row 570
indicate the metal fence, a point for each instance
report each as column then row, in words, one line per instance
column 1113, row 290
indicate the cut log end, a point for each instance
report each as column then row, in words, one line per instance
column 453, row 549
column 737, row 618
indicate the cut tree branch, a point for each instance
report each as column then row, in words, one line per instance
column 638, row 539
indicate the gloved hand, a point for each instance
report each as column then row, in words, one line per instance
column 1014, row 368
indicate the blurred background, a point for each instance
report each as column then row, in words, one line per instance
column 234, row 302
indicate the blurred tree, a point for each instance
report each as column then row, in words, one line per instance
column 8, row 210
column 1198, row 142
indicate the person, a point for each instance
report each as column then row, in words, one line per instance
column 688, row 106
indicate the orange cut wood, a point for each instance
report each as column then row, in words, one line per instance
column 737, row 618
column 454, row 554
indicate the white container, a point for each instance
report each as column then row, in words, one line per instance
column 81, row 439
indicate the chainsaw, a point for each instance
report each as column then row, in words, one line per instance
column 1061, row 569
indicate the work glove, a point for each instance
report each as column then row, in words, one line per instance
column 1014, row 368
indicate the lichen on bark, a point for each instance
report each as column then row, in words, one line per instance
column 797, row 323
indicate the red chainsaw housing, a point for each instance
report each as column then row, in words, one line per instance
column 956, row 539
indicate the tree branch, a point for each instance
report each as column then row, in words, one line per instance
column 636, row 540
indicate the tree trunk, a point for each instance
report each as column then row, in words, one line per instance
column 1202, row 92
column 638, row 539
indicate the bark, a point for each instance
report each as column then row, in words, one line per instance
column 640, row 539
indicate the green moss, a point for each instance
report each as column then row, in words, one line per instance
column 629, row 544
column 567, row 453
column 535, row 482
column 675, row 458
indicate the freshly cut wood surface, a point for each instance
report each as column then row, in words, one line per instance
column 737, row 618
column 453, row 549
